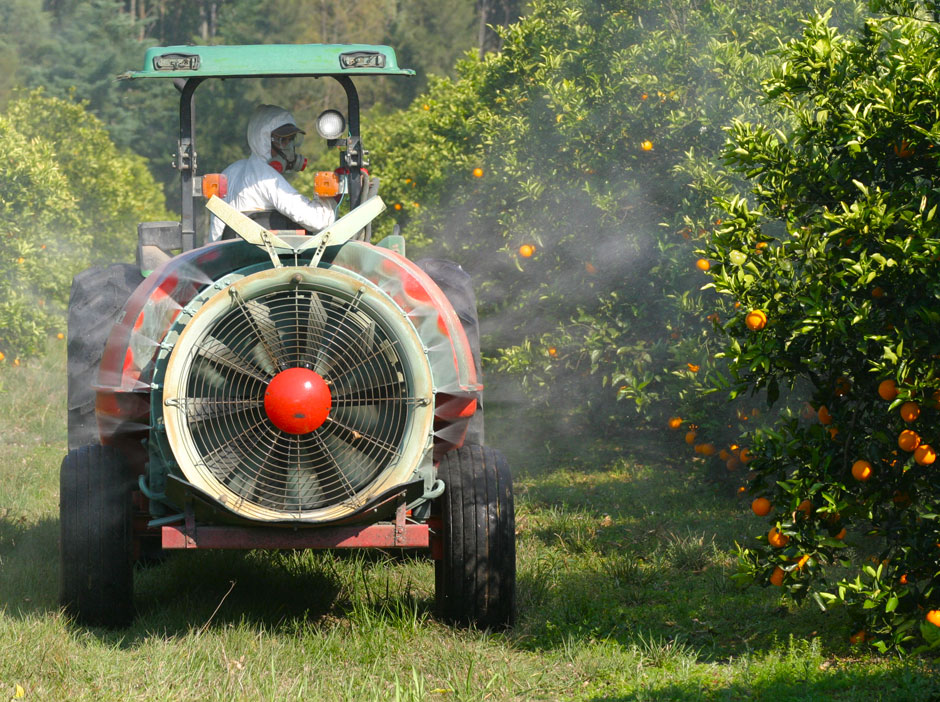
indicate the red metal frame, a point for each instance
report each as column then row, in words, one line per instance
column 399, row 534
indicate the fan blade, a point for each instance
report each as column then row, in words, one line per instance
column 218, row 353
column 201, row 409
column 353, row 468
column 303, row 483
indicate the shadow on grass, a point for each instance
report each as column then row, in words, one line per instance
column 904, row 683
column 186, row 591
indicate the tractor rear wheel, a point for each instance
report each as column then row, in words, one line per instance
column 95, row 510
column 95, row 303
column 476, row 577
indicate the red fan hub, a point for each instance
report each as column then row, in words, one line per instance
column 297, row 400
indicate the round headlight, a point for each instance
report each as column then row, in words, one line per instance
column 331, row 124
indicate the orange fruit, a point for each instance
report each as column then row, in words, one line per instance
column 802, row 562
column 724, row 455
column 526, row 250
column 840, row 535
column 776, row 578
column 756, row 320
column 761, row 506
column 732, row 464
column 925, row 455
column 843, row 385
column 477, row 172
column 590, row 268
column 60, row 336
column 674, row 422
column 397, row 205
column 904, row 149
column 861, row 470
column 745, row 456
column 824, row 416
column 887, row 389
column 833, row 432
column 708, row 449
column 2, row 355
column 910, row 411
column 552, row 351
column 690, row 438
column 878, row 291
column 426, row 106
column 646, row 145
column 900, row 498
column 806, row 507
column 933, row 616
column 858, row 637
column 776, row 539
column 903, row 579
column 908, row 440
column 703, row 264
column 692, row 367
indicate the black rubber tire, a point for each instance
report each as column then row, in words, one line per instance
column 476, row 578
column 457, row 285
column 95, row 557
column 95, row 303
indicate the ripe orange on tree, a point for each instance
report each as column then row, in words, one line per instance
column 887, row 389
column 477, row 172
column 690, row 437
column 910, row 411
column 674, row 422
column 878, row 291
column 842, row 387
column 861, row 470
column 776, row 578
column 924, row 455
column 806, row 507
column 703, row 264
column 776, row 539
column 526, row 250
column 858, row 637
column 646, row 145
column 840, row 535
column 908, row 440
column 756, row 320
column 761, row 506
column 933, row 616
column 824, row 416
column 903, row 149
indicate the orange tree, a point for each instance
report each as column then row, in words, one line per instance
column 557, row 170
column 68, row 197
column 834, row 257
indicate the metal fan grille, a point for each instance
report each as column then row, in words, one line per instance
column 230, row 365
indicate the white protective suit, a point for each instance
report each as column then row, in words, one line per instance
column 253, row 185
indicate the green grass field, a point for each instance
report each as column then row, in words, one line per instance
column 624, row 553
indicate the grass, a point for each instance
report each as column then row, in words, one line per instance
column 624, row 555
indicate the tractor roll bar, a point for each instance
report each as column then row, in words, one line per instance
column 353, row 158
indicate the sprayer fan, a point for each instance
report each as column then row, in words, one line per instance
column 298, row 392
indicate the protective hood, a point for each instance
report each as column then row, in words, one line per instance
column 265, row 120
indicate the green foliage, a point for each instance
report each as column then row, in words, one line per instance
column 588, row 127
column 68, row 197
column 843, row 202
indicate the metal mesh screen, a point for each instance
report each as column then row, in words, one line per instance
column 240, row 352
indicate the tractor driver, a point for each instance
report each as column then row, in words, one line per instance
column 257, row 186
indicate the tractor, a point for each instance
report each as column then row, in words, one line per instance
column 280, row 389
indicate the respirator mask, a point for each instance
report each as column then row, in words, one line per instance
column 285, row 144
